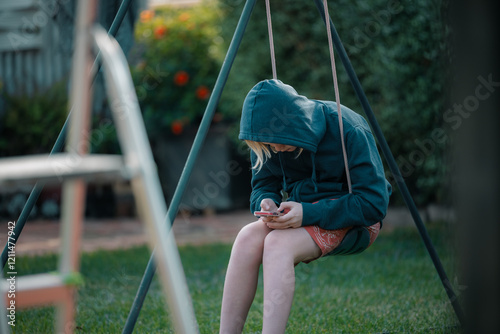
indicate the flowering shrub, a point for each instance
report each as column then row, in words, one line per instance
column 178, row 53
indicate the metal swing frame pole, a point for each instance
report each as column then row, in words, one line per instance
column 193, row 155
column 59, row 144
column 393, row 165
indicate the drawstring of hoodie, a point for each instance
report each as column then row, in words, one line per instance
column 282, row 172
column 313, row 177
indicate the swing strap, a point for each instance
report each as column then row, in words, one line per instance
column 334, row 73
column 337, row 95
column 271, row 41
column 356, row 239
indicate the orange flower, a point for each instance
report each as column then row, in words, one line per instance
column 202, row 92
column 147, row 15
column 160, row 32
column 184, row 17
column 177, row 127
column 181, row 78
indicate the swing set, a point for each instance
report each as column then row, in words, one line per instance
column 139, row 168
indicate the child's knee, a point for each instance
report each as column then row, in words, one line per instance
column 251, row 237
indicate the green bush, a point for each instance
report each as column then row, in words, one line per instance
column 178, row 55
column 399, row 52
column 30, row 125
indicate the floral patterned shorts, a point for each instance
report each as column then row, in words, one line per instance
column 328, row 240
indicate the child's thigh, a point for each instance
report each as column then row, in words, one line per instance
column 294, row 242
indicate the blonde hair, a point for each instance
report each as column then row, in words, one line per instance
column 263, row 152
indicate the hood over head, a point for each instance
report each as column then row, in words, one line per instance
column 274, row 112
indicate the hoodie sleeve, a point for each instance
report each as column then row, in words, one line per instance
column 368, row 202
column 264, row 185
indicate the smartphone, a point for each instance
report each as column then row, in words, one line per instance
column 267, row 214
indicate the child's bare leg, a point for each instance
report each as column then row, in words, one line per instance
column 282, row 250
column 242, row 276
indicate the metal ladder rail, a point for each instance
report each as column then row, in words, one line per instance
column 59, row 144
column 58, row 289
column 146, row 187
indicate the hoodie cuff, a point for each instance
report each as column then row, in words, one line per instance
column 311, row 214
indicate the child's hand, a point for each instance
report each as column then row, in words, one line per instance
column 291, row 219
column 268, row 204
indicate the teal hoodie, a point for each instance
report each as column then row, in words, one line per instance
column 274, row 112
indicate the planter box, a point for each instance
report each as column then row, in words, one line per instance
column 220, row 179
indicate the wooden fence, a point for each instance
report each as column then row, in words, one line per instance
column 34, row 51
column 36, row 40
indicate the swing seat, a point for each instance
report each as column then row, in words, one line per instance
column 355, row 241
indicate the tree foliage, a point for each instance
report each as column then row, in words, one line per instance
column 399, row 52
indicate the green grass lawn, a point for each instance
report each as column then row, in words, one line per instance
column 390, row 288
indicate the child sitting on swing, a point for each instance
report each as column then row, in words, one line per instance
column 296, row 150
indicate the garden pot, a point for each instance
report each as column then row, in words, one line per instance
column 220, row 179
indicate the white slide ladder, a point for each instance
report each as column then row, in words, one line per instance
column 76, row 166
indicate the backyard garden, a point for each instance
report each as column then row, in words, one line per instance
column 400, row 51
